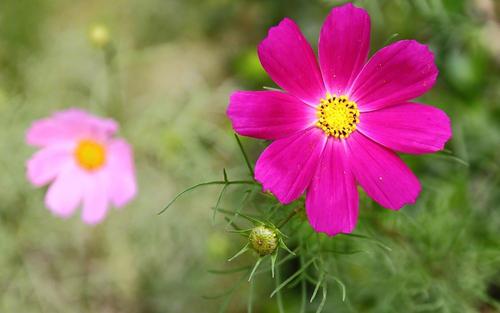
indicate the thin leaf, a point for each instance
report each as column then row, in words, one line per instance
column 288, row 218
column 240, row 231
column 245, row 216
column 243, row 250
column 259, row 260
column 221, row 194
column 236, row 182
column 451, row 157
column 378, row 242
column 231, row 223
column 316, row 288
column 342, row 287
column 323, row 300
column 289, row 279
column 283, row 260
column 272, row 89
column 274, row 256
column 240, row 207
column 284, row 246
column 391, row 38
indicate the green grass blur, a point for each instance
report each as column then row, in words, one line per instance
column 167, row 80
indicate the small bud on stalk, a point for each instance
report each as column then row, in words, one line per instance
column 99, row 35
column 263, row 240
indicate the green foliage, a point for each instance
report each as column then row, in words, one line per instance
column 167, row 78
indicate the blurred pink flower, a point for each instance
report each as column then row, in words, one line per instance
column 83, row 162
column 338, row 122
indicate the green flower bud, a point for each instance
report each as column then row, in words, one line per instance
column 99, row 35
column 263, row 240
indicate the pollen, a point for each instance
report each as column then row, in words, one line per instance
column 90, row 155
column 337, row 116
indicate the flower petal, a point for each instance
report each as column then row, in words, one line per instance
column 122, row 184
column 268, row 114
column 65, row 193
column 47, row 163
column 381, row 173
column 332, row 198
column 399, row 72
column 288, row 58
column 95, row 198
column 69, row 125
column 286, row 167
column 409, row 128
column 344, row 43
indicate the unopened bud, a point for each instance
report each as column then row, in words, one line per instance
column 99, row 35
column 263, row 240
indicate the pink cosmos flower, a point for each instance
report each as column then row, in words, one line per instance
column 83, row 162
column 337, row 124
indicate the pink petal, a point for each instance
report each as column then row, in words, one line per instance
column 381, row 173
column 69, row 125
column 332, row 198
column 95, row 198
column 122, row 184
column 288, row 58
column 344, row 44
column 47, row 163
column 65, row 193
column 286, row 167
column 268, row 114
column 410, row 127
column 399, row 72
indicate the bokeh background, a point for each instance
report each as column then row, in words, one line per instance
column 166, row 76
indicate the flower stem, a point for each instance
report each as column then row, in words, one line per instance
column 289, row 217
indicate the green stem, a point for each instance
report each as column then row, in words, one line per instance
column 245, row 156
column 288, row 218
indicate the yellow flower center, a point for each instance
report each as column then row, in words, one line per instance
column 90, row 155
column 337, row 116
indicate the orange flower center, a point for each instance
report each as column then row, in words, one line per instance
column 90, row 154
column 337, row 116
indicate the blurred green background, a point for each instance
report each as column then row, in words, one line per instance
column 166, row 77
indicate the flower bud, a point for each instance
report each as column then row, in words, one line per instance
column 263, row 240
column 99, row 35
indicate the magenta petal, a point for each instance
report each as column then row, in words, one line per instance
column 381, row 173
column 268, row 114
column 344, row 44
column 288, row 58
column 122, row 184
column 399, row 72
column 286, row 167
column 47, row 163
column 332, row 198
column 65, row 193
column 410, row 127
column 95, row 198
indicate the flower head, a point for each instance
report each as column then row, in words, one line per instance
column 83, row 162
column 263, row 240
column 338, row 123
